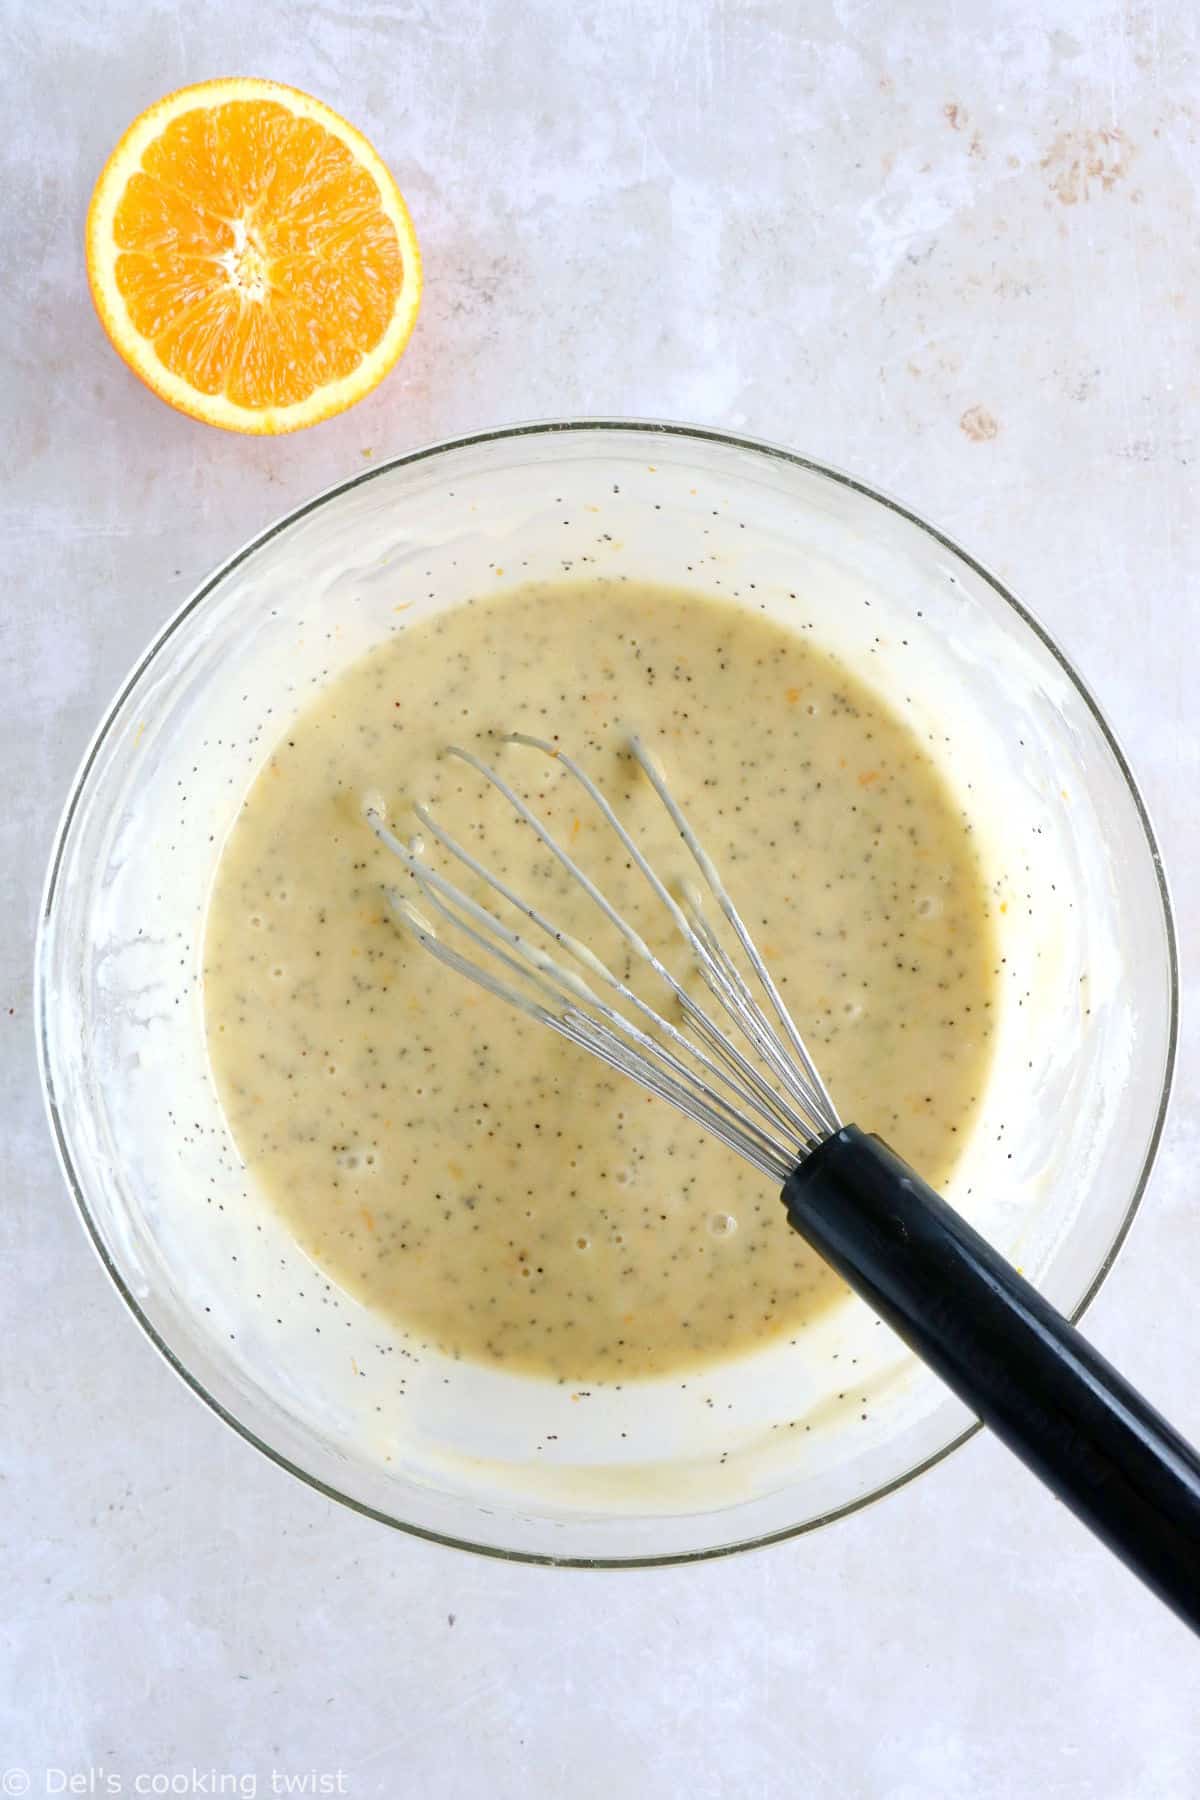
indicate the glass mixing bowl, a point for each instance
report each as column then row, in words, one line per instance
column 744, row 1452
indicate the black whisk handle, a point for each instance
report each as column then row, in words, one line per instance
column 1009, row 1355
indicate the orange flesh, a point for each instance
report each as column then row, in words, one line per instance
column 255, row 254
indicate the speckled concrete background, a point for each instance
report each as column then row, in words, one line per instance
column 954, row 248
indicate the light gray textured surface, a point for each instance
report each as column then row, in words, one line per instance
column 954, row 249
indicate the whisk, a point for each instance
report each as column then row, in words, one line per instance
column 736, row 1064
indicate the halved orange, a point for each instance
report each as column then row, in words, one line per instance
column 250, row 256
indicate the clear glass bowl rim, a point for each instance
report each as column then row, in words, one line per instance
column 43, row 999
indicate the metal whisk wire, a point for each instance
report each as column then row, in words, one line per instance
column 772, row 1123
